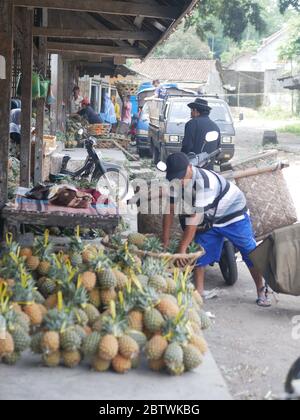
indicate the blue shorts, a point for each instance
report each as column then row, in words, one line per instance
column 240, row 234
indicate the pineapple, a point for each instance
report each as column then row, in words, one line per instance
column 7, row 346
column 95, row 297
column 70, row 341
column 88, row 280
column 156, row 347
column 128, row 347
column 157, row 365
column 11, row 359
column 51, row 302
column 76, row 249
column 174, row 359
column 153, row 320
column 42, row 250
column 137, row 239
column 21, row 339
column 135, row 320
column 47, row 286
column 107, row 296
column 35, row 314
column 139, row 337
column 107, row 279
column 121, row 278
column 71, row 359
column 205, row 321
column 32, row 263
column 90, row 344
column 192, row 357
column 36, row 343
column 158, row 282
column 108, row 348
column 50, row 342
column 121, row 365
column 52, row 359
column 168, row 308
column 100, row 365
column 92, row 313
column 25, row 253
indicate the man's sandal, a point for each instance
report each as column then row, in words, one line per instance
column 264, row 301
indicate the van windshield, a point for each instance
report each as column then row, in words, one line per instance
column 181, row 113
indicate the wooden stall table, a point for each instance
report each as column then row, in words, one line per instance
column 14, row 216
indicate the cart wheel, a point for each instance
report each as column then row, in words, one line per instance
column 228, row 264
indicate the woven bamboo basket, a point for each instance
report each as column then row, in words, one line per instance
column 190, row 259
column 127, row 89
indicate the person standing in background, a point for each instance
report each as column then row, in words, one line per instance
column 117, row 108
column 76, row 100
column 127, row 111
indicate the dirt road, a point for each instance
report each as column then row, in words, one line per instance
column 254, row 347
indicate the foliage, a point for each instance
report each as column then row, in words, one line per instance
column 234, row 52
column 183, row 44
column 291, row 49
column 236, row 15
column 285, row 4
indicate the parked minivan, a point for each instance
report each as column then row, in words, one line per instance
column 145, row 95
column 167, row 125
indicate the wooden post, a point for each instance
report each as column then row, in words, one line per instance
column 27, row 61
column 40, row 115
column 59, row 99
column 6, row 51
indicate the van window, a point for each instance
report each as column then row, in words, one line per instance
column 180, row 112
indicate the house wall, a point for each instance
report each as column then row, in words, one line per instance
column 266, row 58
column 275, row 94
column 249, row 88
column 215, row 83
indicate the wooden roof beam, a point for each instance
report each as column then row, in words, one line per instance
column 94, row 34
column 104, row 50
column 106, row 6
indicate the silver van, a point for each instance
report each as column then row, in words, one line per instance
column 167, row 124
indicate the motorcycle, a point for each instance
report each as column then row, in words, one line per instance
column 109, row 178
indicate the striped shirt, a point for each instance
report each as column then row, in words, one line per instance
column 206, row 187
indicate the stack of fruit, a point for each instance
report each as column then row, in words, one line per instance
column 59, row 340
column 112, row 346
column 14, row 330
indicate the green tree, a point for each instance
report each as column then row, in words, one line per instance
column 285, row 4
column 183, row 44
column 235, row 16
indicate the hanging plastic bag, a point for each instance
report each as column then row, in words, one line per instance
column 50, row 97
column 44, row 87
column 36, row 86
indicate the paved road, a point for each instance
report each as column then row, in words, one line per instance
column 252, row 346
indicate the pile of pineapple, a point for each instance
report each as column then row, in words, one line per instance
column 108, row 307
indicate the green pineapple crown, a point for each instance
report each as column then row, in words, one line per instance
column 23, row 290
column 11, row 264
column 42, row 247
column 76, row 243
column 57, row 320
column 115, row 323
column 136, row 299
column 153, row 244
column 154, row 266
column 100, row 262
column 176, row 330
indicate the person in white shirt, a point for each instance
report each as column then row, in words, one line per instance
column 76, row 100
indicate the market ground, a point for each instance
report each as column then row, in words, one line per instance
column 254, row 347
